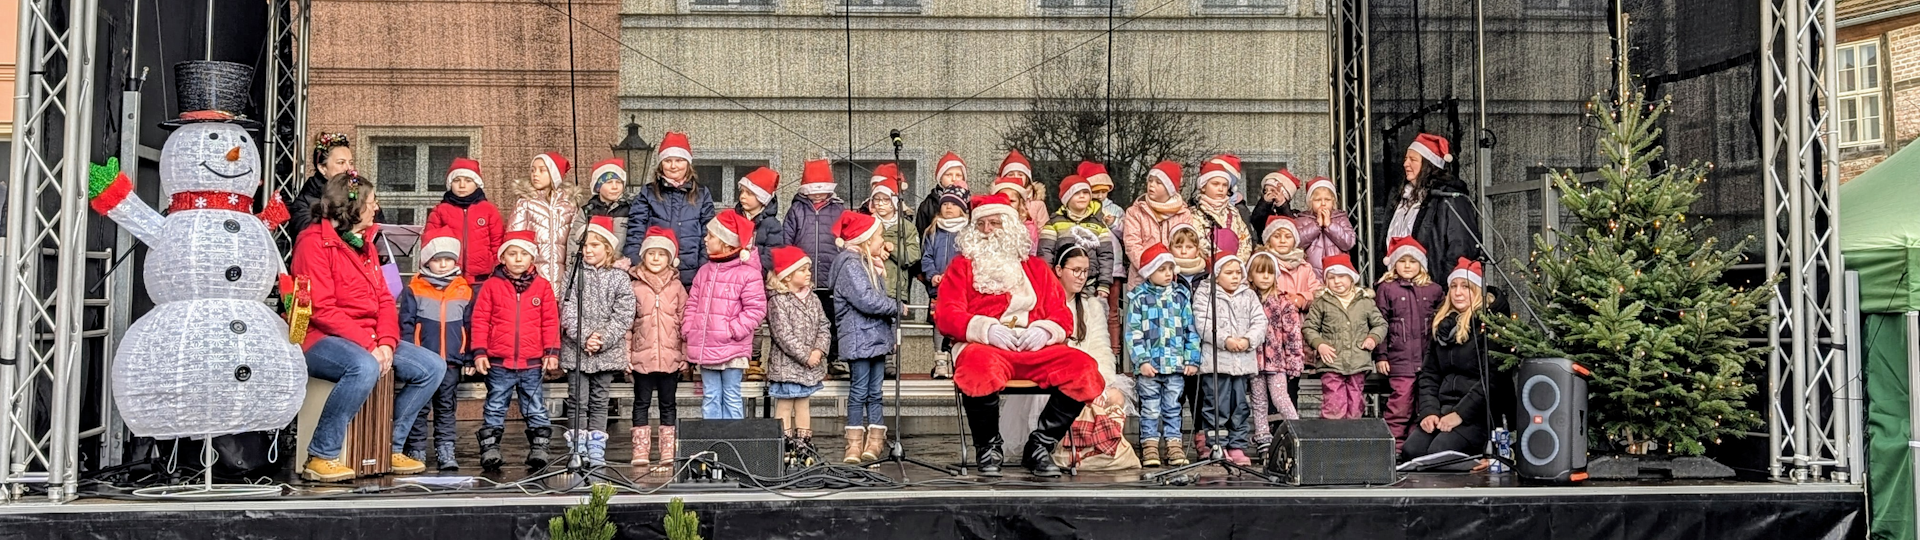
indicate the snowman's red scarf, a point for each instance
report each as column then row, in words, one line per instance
column 210, row 200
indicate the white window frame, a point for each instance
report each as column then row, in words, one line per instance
column 1120, row 8
column 839, row 7
column 1862, row 94
column 1200, row 7
column 687, row 6
column 367, row 154
column 733, row 163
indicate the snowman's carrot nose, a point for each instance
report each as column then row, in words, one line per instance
column 234, row 154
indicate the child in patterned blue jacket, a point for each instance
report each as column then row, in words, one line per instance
column 1165, row 348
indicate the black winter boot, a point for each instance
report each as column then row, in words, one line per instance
column 983, row 419
column 490, row 448
column 537, row 441
column 1053, row 424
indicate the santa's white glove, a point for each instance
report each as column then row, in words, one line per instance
column 1002, row 338
column 1033, row 339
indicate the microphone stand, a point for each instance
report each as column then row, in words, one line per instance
column 1486, row 387
column 579, row 471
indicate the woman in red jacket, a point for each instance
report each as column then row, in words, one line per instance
column 353, row 336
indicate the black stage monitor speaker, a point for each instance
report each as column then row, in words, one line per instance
column 753, row 444
column 1551, row 444
column 1332, row 452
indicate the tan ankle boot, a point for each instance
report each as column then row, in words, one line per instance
column 856, row 441
column 1150, row 453
column 876, row 443
column 1176, row 456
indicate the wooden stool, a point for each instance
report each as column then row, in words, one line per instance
column 368, row 448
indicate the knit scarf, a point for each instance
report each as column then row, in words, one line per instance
column 519, row 282
column 1291, row 259
column 479, row 194
column 1345, row 299
column 1189, row 267
column 726, row 259
column 1212, row 205
column 672, row 183
column 1067, row 211
column 1164, row 210
column 887, row 222
column 952, row 225
column 440, row 281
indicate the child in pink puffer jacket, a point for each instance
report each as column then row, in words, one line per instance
column 725, row 305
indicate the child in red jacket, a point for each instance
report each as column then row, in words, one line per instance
column 516, row 336
column 473, row 220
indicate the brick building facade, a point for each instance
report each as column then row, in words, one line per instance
column 1878, row 90
column 416, row 84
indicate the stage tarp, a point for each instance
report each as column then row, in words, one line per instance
column 1757, row 511
column 1880, row 239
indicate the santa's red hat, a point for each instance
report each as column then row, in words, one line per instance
column 436, row 243
column 1433, row 147
column 1154, row 257
column 664, row 239
column 1275, row 224
column 1073, row 184
column 947, row 162
column 1283, row 179
column 674, row 145
column 994, row 205
column 731, row 228
column 615, row 167
column 854, row 228
column 1469, row 270
column 787, row 260
column 1167, row 173
column 523, row 239
column 1006, row 183
column 817, row 177
column 557, row 166
column 761, row 183
column 463, row 167
column 1015, row 163
column 1405, row 246
column 603, row 226
column 1221, row 259
column 1339, row 263
column 885, row 181
column 1095, row 173
column 1223, row 164
column 1321, row 182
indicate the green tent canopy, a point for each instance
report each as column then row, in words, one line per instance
column 1880, row 239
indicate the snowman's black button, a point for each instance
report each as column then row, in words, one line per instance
column 233, row 273
column 232, row 226
column 237, row 327
column 242, row 373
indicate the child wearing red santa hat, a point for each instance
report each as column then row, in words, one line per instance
column 725, row 305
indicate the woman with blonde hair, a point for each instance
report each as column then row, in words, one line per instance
column 1452, row 399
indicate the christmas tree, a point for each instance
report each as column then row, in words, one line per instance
column 1636, row 296
column 587, row 521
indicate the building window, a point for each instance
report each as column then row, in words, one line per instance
column 411, row 174
column 876, row 6
column 1083, row 7
column 732, row 5
column 722, row 178
column 1243, row 7
column 855, row 189
column 1860, row 93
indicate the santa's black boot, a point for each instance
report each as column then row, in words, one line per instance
column 983, row 419
column 1052, row 425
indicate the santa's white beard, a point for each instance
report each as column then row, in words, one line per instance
column 996, row 257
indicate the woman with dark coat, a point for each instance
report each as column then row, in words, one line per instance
column 675, row 200
column 332, row 155
column 1434, row 207
column 1451, row 399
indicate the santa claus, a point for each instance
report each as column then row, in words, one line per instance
column 1008, row 315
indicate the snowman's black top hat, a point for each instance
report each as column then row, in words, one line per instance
column 212, row 91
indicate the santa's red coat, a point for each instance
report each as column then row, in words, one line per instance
column 964, row 314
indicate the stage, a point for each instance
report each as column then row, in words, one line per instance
column 928, row 505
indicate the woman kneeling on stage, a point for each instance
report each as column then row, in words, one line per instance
column 1451, row 400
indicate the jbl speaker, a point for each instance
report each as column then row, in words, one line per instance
column 1310, row 452
column 752, row 444
column 1551, row 442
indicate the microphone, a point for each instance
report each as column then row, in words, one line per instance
column 895, row 135
column 1447, row 194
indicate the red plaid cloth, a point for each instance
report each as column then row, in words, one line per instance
column 1102, row 435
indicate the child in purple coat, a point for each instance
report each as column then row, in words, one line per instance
column 1407, row 298
column 1325, row 230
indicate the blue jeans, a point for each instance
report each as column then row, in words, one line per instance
column 1160, row 405
column 354, row 372
column 720, row 394
column 501, row 384
column 863, row 392
column 442, row 409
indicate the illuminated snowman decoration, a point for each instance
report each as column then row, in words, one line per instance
column 211, row 358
